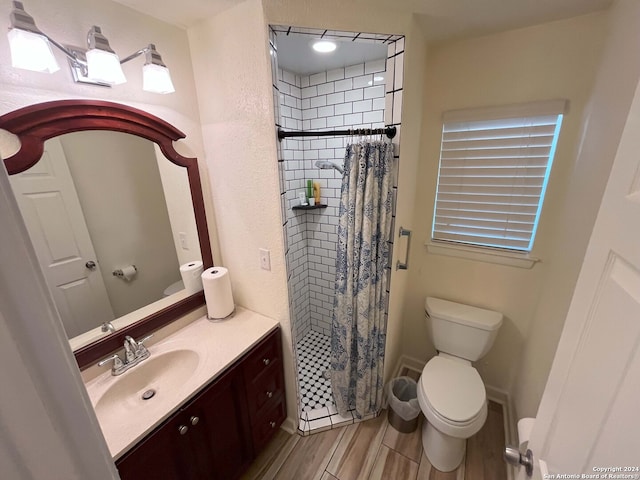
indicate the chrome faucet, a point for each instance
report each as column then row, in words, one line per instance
column 134, row 353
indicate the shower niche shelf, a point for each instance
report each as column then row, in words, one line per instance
column 309, row 207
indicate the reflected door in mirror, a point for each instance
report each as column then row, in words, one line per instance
column 52, row 213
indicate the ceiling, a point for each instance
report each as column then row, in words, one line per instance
column 296, row 55
column 440, row 19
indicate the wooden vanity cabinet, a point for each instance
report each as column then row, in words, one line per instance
column 219, row 432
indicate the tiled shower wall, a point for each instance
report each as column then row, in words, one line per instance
column 335, row 99
column 351, row 97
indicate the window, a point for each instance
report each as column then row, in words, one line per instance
column 494, row 168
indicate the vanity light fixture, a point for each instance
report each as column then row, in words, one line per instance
column 324, row 46
column 98, row 65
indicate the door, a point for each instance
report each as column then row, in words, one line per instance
column 589, row 414
column 52, row 213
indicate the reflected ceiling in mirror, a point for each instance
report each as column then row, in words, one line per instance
column 136, row 208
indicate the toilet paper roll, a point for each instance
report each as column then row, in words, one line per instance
column 129, row 272
column 191, row 276
column 217, row 292
column 525, row 426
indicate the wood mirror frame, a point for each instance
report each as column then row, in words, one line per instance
column 35, row 124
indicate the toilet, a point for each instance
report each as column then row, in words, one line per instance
column 451, row 393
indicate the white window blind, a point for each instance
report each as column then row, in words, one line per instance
column 494, row 168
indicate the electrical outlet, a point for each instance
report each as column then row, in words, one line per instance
column 183, row 240
column 265, row 259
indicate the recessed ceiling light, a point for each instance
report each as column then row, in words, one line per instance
column 324, row 46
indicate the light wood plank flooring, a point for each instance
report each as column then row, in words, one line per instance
column 374, row 450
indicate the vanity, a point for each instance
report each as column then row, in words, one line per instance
column 218, row 398
column 210, row 395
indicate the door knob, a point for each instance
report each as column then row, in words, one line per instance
column 183, row 429
column 91, row 265
column 513, row 456
column 194, row 420
column 266, row 361
column 269, row 394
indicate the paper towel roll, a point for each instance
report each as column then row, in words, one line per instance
column 129, row 272
column 217, row 292
column 191, row 276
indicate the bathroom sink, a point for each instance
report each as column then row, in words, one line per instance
column 159, row 378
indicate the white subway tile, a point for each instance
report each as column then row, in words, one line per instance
column 388, row 108
column 320, row 143
column 325, row 111
column 344, row 108
column 295, row 91
column 337, row 74
column 378, row 103
column 335, row 98
column 337, row 121
column 353, row 119
column 310, row 92
column 304, row 81
column 400, row 45
column 399, row 74
column 317, row 78
column 342, row 85
column 288, row 77
column 354, row 70
column 373, row 117
column 363, row 81
column 334, row 143
column 319, row 101
column 354, row 95
column 284, row 87
column 397, row 106
column 362, row 106
column 391, row 49
column 305, row 103
column 319, row 123
column 375, row 66
column 310, row 113
column 374, row 92
column 325, row 88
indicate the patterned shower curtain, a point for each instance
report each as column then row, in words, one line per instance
column 358, row 329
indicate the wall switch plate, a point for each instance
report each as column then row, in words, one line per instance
column 183, row 240
column 265, row 259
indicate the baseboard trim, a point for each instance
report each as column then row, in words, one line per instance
column 409, row 362
column 510, row 434
column 289, row 426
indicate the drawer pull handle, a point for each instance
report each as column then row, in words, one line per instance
column 266, row 361
column 269, row 394
column 183, row 429
column 273, row 424
column 194, row 420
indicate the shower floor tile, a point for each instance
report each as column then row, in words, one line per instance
column 313, row 353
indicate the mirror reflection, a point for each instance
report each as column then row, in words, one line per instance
column 111, row 221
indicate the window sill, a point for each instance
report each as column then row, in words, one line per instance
column 482, row 255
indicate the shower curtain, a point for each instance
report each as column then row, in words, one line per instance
column 358, row 329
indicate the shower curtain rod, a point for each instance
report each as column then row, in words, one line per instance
column 388, row 131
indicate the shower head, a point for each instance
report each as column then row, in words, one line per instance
column 325, row 164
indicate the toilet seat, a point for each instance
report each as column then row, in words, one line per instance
column 453, row 390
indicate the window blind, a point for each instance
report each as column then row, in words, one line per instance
column 494, row 168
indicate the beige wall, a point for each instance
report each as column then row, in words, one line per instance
column 550, row 61
column 118, row 183
column 68, row 22
column 602, row 124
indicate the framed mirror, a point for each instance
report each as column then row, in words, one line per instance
column 129, row 227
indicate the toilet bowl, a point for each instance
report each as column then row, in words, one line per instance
column 451, row 393
column 453, row 399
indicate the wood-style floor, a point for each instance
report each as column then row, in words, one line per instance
column 374, row 450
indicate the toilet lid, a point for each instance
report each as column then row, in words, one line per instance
column 454, row 390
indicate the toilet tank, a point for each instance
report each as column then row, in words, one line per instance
column 461, row 330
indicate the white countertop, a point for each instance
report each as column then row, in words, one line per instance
column 217, row 344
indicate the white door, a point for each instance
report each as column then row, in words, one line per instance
column 52, row 213
column 589, row 416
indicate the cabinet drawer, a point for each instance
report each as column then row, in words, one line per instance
column 264, row 356
column 267, row 425
column 265, row 390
